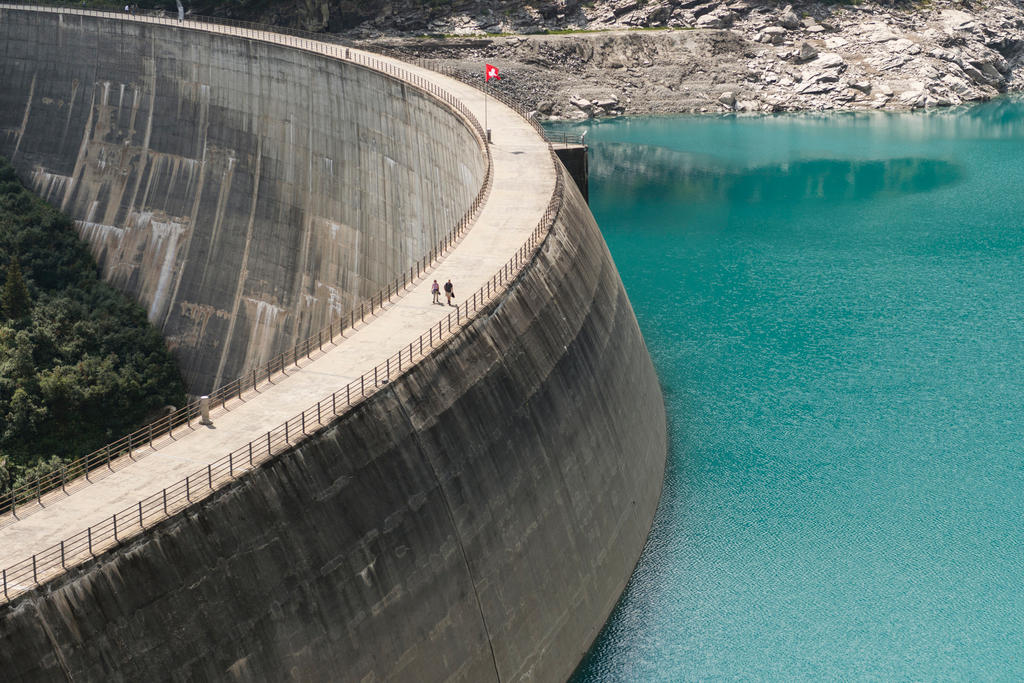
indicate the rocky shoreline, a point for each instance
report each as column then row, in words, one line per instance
column 727, row 56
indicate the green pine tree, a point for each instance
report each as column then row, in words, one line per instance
column 15, row 301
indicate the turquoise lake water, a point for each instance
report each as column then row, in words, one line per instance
column 835, row 306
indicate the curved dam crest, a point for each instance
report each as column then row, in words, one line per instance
column 475, row 519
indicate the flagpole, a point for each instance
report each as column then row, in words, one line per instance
column 486, row 83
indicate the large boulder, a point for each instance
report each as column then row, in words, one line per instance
column 721, row 18
column 806, row 52
column 788, row 18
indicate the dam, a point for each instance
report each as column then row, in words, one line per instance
column 472, row 514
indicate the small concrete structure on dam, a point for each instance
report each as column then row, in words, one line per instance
column 478, row 514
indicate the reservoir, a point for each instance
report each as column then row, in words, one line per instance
column 835, row 307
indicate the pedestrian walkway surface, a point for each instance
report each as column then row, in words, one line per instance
column 523, row 183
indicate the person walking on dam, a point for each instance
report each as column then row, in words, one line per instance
column 435, row 289
column 449, row 291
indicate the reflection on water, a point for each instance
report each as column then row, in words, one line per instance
column 636, row 172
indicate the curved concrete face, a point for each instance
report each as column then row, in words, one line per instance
column 476, row 520
column 245, row 193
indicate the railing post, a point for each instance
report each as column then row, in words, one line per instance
column 35, row 576
column 348, row 394
column 286, row 433
column 88, row 534
column 62, row 564
column 165, row 501
column 63, row 478
column 140, row 515
column 204, row 411
column 129, row 450
column 115, row 528
column 4, row 576
column 188, row 497
column 108, row 453
column 268, row 443
column 303, row 417
column 209, row 475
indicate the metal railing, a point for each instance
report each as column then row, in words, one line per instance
column 104, row 535
column 564, row 138
column 147, row 438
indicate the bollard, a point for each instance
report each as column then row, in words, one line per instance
column 204, row 411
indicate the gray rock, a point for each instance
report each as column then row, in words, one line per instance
column 913, row 98
column 773, row 35
column 806, row 52
column 816, row 88
column 717, row 19
column 728, row 98
column 581, row 103
column 829, row 60
column 788, row 18
column 624, row 6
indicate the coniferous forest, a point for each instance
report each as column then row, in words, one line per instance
column 80, row 365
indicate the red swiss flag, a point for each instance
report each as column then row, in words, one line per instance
column 491, row 72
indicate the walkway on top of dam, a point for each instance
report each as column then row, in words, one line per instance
column 523, row 182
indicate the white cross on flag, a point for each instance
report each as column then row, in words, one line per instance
column 491, row 72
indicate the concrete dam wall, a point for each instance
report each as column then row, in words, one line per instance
column 475, row 519
column 243, row 192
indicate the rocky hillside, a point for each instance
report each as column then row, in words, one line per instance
column 753, row 58
column 575, row 59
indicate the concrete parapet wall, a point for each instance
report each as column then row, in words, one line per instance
column 475, row 520
column 243, row 192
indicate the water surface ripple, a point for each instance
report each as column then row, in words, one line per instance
column 835, row 305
